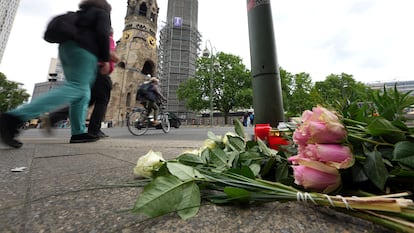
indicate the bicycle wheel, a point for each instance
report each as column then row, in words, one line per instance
column 165, row 123
column 135, row 126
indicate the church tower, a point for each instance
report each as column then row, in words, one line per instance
column 137, row 50
column 178, row 51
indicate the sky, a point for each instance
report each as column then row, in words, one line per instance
column 372, row 40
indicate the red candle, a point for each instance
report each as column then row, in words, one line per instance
column 262, row 131
column 275, row 141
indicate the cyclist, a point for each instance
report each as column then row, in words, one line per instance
column 152, row 97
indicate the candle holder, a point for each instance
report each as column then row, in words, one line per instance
column 276, row 139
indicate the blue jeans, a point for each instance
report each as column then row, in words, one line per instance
column 79, row 66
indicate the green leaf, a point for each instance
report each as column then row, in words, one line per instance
column 161, row 196
column 380, row 126
column 244, row 171
column 375, row 169
column 266, row 150
column 188, row 158
column 183, row 172
column 402, row 172
column 404, row 153
column 205, row 155
column 251, row 155
column 237, row 193
column 271, row 162
column 255, row 168
column 236, row 143
column 282, row 171
column 190, row 202
column 238, row 128
column 358, row 174
column 232, row 156
column 218, row 158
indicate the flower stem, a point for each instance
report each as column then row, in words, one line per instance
column 354, row 122
column 370, row 141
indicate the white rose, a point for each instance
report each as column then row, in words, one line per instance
column 209, row 143
column 148, row 163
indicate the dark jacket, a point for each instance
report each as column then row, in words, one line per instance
column 152, row 94
column 94, row 30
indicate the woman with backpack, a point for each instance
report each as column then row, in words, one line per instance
column 79, row 57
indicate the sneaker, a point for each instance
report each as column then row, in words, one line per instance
column 82, row 138
column 9, row 130
column 46, row 124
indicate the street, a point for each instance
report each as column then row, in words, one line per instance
column 182, row 133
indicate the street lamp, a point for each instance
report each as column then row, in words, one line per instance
column 213, row 64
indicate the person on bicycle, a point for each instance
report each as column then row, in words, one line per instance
column 153, row 96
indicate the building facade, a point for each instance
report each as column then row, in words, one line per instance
column 137, row 50
column 178, row 50
column 8, row 9
column 55, row 78
column 402, row 86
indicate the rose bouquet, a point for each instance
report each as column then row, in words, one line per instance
column 324, row 161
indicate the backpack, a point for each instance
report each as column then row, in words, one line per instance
column 143, row 90
column 61, row 28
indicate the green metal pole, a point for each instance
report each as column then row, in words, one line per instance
column 267, row 88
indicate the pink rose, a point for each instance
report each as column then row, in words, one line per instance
column 319, row 132
column 319, row 126
column 335, row 155
column 320, row 114
column 316, row 176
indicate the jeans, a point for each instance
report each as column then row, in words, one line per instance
column 79, row 66
column 100, row 95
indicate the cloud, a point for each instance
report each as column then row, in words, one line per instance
column 370, row 39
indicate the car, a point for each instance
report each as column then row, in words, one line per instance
column 174, row 120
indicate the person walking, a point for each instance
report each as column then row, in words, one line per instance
column 100, row 95
column 79, row 58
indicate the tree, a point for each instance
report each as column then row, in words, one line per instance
column 231, row 82
column 340, row 91
column 286, row 80
column 300, row 99
column 11, row 95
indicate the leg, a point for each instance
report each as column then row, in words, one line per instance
column 80, row 68
column 101, row 94
column 154, row 106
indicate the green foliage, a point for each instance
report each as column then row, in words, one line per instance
column 171, row 194
column 336, row 91
column 381, row 148
column 223, row 76
column 300, row 99
column 391, row 103
column 375, row 169
column 233, row 170
column 11, row 95
column 177, row 190
column 339, row 91
column 404, row 154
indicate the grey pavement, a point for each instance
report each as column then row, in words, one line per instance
column 76, row 188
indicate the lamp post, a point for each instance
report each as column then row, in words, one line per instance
column 209, row 54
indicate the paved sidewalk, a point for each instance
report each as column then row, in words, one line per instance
column 72, row 188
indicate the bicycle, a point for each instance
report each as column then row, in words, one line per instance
column 140, row 120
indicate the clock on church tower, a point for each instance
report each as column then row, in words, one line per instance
column 137, row 50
